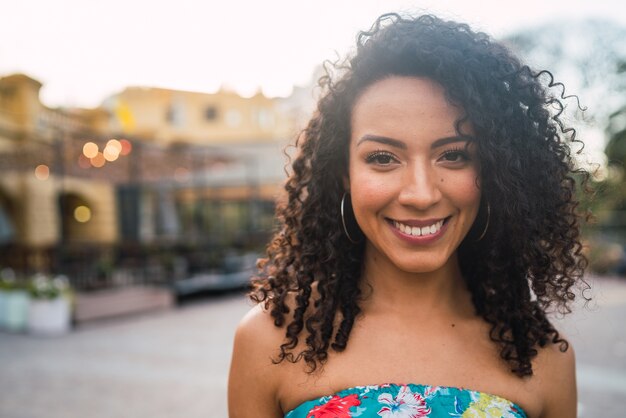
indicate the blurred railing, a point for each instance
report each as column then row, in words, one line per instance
column 197, row 224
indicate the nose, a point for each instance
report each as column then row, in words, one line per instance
column 420, row 187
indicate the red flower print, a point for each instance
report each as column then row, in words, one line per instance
column 336, row 407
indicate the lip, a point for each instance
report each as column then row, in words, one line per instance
column 419, row 240
column 419, row 222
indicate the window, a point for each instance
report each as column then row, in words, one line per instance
column 233, row 118
column 263, row 118
column 210, row 113
column 176, row 113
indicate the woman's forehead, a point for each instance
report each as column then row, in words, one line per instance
column 406, row 107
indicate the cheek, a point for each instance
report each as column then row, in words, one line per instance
column 369, row 192
column 465, row 193
column 360, row 183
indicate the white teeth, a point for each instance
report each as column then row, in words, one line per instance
column 417, row 231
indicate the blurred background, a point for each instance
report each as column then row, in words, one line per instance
column 141, row 157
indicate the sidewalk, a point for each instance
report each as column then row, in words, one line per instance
column 168, row 364
column 598, row 334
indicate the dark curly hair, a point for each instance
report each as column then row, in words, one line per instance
column 531, row 256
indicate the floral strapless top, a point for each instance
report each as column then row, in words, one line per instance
column 407, row 401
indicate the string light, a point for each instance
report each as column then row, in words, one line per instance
column 127, row 147
column 110, row 153
column 90, row 150
column 42, row 172
column 83, row 162
column 98, row 161
column 82, row 214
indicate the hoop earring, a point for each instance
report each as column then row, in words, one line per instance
column 343, row 220
column 486, row 224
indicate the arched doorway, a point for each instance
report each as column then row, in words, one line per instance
column 8, row 225
column 76, row 218
column 12, row 253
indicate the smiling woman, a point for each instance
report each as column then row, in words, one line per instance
column 429, row 225
column 413, row 182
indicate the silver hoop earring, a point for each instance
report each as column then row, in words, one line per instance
column 486, row 224
column 343, row 220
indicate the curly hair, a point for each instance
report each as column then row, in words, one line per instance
column 531, row 255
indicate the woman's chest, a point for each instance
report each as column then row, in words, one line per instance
column 446, row 358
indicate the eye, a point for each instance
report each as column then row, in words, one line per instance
column 381, row 158
column 456, row 155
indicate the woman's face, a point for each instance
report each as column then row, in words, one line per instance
column 412, row 179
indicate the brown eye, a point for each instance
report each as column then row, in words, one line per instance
column 381, row 158
column 455, row 156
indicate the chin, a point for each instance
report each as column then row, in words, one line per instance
column 419, row 266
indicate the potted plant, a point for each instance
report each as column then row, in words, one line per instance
column 49, row 310
column 14, row 304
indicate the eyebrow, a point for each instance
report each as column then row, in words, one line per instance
column 382, row 140
column 399, row 144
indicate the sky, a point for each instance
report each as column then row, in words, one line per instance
column 86, row 50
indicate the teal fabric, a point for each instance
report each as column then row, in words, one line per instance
column 407, row 401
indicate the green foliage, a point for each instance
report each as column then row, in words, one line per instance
column 616, row 132
column 44, row 287
column 604, row 256
column 606, row 196
column 7, row 280
column 6, row 284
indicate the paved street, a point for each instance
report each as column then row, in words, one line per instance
column 175, row 363
column 161, row 365
column 598, row 333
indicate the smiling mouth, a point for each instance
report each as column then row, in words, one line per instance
column 417, row 231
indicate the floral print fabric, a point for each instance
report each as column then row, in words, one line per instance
column 408, row 401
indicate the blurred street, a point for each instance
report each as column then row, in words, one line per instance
column 171, row 363
column 598, row 334
column 175, row 363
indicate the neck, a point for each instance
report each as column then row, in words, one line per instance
column 441, row 293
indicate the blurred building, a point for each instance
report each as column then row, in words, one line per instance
column 171, row 116
column 36, row 198
column 161, row 175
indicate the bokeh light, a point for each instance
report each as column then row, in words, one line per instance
column 83, row 162
column 82, row 214
column 115, row 144
column 42, row 172
column 110, row 153
column 98, row 161
column 127, row 147
column 90, row 150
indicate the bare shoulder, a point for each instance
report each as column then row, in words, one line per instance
column 257, row 326
column 254, row 378
column 555, row 376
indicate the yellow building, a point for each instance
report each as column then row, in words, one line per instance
column 229, row 152
column 204, row 168
column 37, row 199
column 172, row 116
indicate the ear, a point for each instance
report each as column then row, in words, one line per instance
column 346, row 183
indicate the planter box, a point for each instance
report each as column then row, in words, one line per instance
column 49, row 316
column 15, row 315
column 3, row 298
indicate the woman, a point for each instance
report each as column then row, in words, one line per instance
column 429, row 225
